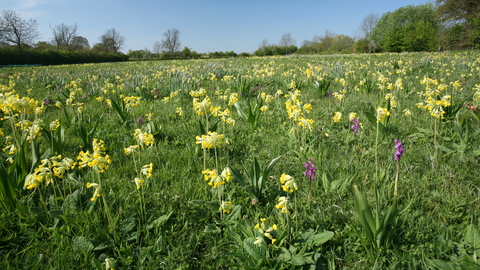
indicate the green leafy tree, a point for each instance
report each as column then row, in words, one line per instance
column 456, row 10
column 395, row 30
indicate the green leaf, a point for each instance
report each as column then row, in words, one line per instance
column 285, row 255
column 126, row 225
column 234, row 214
column 57, row 213
column 297, row 259
column 255, row 251
column 364, row 214
column 159, row 221
column 240, row 111
column 439, row 264
column 82, row 246
column 473, row 236
column 320, row 238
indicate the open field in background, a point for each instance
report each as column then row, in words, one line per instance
column 252, row 163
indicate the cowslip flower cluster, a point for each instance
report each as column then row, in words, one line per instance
column 288, row 183
column 216, row 180
column 265, row 231
column 435, row 103
column 48, row 168
column 212, row 139
column 202, row 107
column 337, row 117
column 98, row 190
column 381, row 114
column 282, row 204
column 399, row 149
column 97, row 160
column 311, row 170
column 226, row 206
column 144, row 138
column 297, row 112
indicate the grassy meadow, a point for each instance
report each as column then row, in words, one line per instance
column 302, row 162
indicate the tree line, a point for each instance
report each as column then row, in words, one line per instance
column 445, row 25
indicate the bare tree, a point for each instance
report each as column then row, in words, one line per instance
column 157, row 47
column 112, row 41
column 171, row 42
column 64, row 34
column 286, row 41
column 17, row 31
column 367, row 24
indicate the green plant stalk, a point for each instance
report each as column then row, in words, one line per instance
column 105, row 204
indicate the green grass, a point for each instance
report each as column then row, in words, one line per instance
column 173, row 221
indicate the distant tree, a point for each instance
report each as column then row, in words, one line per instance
column 17, row 31
column 342, row 44
column 186, row 52
column 286, row 41
column 63, row 35
column 43, row 46
column 157, row 48
column 262, row 48
column 112, row 41
column 171, row 42
column 367, row 24
column 395, row 31
column 326, row 40
column 79, row 43
column 456, row 10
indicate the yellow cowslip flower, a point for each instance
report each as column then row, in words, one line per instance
column 31, row 181
column 352, row 116
column 381, row 114
column 288, row 182
column 214, row 179
column 179, row 111
column 306, row 123
column 144, row 138
column 96, row 160
column 139, row 182
column 149, row 116
column 233, row 99
column 266, row 231
column 131, row 149
column 132, row 101
column 199, row 93
column 337, row 117
column 98, row 190
column 54, row 125
column 226, row 207
column 407, row 112
column 147, row 170
column 282, row 204
column 212, row 139
column 264, row 108
column 226, row 174
column 307, row 107
column 203, row 106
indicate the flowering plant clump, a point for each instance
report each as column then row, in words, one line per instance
column 311, row 170
column 356, row 125
column 97, row 160
column 288, row 183
column 215, row 179
column 282, row 204
column 212, row 139
column 399, row 149
column 265, row 231
column 382, row 113
column 98, row 190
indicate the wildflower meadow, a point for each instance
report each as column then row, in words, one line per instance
column 365, row 161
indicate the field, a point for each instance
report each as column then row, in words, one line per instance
column 318, row 162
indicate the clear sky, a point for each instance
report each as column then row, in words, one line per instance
column 205, row 26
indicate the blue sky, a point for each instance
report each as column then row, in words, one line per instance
column 205, row 26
